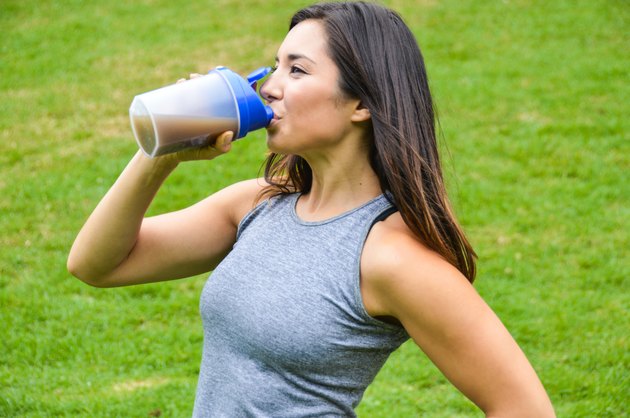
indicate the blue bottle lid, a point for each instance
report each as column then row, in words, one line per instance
column 253, row 113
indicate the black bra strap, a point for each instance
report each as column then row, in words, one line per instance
column 384, row 215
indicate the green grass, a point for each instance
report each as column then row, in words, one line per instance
column 533, row 99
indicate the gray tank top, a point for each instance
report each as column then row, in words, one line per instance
column 286, row 333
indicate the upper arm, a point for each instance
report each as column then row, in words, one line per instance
column 451, row 323
column 189, row 241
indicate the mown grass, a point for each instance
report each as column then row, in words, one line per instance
column 533, row 102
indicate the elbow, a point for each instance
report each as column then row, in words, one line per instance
column 74, row 268
column 83, row 273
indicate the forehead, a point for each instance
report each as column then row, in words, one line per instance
column 307, row 38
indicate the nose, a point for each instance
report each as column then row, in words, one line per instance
column 271, row 90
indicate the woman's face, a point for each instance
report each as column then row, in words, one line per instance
column 311, row 113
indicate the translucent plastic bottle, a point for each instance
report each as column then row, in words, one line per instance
column 193, row 113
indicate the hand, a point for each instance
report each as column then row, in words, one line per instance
column 191, row 76
column 221, row 145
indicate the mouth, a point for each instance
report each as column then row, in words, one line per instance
column 273, row 121
column 276, row 116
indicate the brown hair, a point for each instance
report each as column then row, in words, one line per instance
column 380, row 64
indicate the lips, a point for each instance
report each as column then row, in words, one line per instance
column 275, row 119
column 275, row 114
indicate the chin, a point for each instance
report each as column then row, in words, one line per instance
column 272, row 144
column 276, row 143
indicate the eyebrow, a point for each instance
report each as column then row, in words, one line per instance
column 294, row 57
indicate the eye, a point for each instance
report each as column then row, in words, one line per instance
column 296, row 70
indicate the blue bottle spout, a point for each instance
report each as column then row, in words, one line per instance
column 269, row 114
column 253, row 113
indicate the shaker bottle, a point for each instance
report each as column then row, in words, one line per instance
column 193, row 113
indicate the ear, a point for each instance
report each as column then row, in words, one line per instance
column 360, row 114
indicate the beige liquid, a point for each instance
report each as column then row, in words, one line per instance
column 179, row 132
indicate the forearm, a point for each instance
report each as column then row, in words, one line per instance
column 533, row 402
column 111, row 231
column 541, row 410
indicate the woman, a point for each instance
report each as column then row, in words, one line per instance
column 346, row 249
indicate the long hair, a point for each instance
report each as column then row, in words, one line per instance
column 380, row 64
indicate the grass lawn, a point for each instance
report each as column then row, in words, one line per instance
column 533, row 98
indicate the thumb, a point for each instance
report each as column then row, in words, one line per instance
column 223, row 142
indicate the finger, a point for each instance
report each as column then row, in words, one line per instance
column 194, row 75
column 221, row 145
column 224, row 141
column 181, row 80
column 195, row 154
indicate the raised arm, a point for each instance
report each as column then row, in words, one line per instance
column 450, row 322
column 118, row 246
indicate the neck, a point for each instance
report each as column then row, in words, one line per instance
column 342, row 180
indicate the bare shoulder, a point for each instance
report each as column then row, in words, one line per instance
column 396, row 264
column 391, row 248
column 237, row 199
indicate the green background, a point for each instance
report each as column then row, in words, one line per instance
column 533, row 99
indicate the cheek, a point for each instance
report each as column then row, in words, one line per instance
column 298, row 102
column 313, row 110
column 311, row 97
